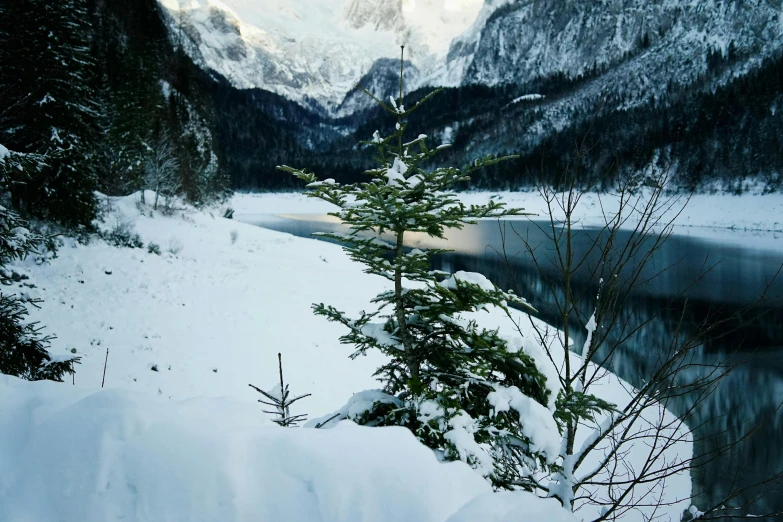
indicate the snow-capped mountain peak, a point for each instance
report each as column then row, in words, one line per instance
column 314, row 51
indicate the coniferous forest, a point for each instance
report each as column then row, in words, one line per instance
column 96, row 86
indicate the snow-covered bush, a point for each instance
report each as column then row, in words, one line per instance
column 123, row 233
column 456, row 385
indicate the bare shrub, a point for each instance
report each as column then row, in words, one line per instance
column 175, row 245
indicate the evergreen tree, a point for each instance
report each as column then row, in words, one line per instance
column 48, row 87
column 280, row 399
column 23, row 351
column 202, row 180
column 134, row 105
column 458, row 387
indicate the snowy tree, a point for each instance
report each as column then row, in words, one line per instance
column 49, row 100
column 459, row 387
column 23, row 351
column 203, row 181
column 161, row 170
column 132, row 111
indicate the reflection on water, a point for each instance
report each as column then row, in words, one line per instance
column 739, row 271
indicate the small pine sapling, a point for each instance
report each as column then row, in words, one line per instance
column 460, row 388
column 279, row 399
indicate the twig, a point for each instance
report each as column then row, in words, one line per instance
column 104, row 367
column 327, row 421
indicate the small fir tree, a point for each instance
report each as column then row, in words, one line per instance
column 279, row 398
column 23, row 351
column 458, row 387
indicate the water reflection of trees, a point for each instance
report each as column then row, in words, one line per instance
column 748, row 396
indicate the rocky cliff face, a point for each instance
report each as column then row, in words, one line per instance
column 382, row 80
column 517, row 41
column 618, row 54
column 380, row 15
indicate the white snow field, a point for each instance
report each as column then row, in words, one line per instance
column 177, row 434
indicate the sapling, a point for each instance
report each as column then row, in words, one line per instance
column 278, row 398
column 460, row 388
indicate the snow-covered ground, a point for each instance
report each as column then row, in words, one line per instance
column 187, row 331
column 704, row 211
column 209, row 319
column 71, row 454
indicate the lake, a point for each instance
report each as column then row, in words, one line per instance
column 731, row 270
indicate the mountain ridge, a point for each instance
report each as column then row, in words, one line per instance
column 312, row 52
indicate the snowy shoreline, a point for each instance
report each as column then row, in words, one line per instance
column 749, row 212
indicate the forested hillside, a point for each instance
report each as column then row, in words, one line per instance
column 708, row 137
column 104, row 93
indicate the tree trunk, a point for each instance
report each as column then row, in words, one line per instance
column 399, row 310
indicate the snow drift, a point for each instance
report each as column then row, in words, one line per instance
column 72, row 454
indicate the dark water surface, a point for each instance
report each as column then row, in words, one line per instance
column 741, row 266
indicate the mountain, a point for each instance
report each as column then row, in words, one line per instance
column 604, row 61
column 693, row 87
column 312, row 51
column 383, row 81
column 646, row 43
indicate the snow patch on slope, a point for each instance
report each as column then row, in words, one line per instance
column 507, row 506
